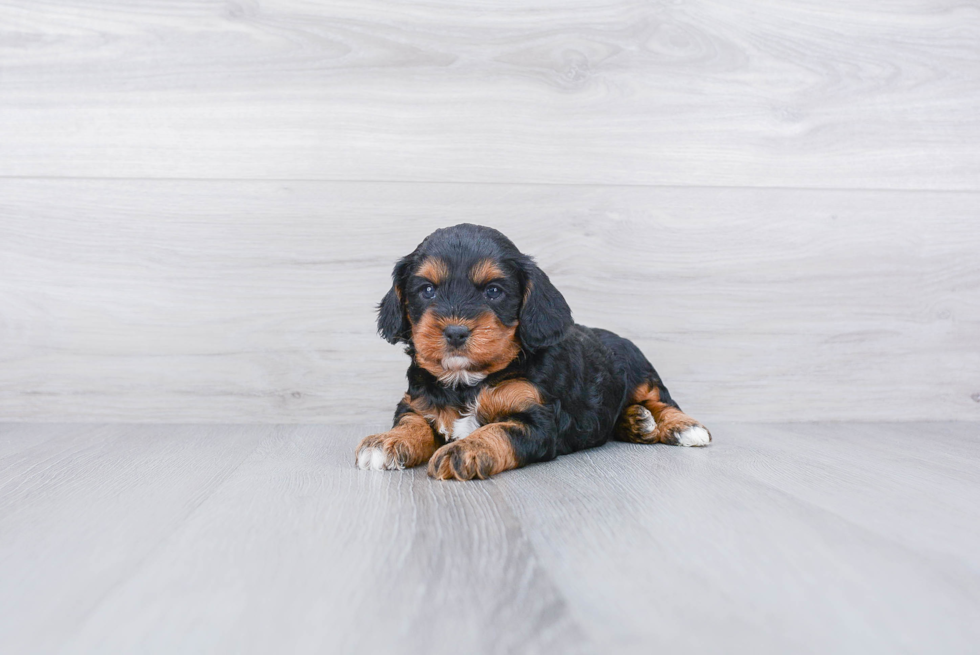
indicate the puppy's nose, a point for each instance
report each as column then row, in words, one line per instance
column 456, row 335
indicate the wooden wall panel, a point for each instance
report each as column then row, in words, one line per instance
column 249, row 301
column 829, row 93
column 777, row 202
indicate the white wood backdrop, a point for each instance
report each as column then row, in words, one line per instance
column 200, row 202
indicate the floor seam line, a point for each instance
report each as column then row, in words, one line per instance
column 572, row 614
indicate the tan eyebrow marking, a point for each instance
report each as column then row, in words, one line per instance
column 434, row 270
column 485, row 271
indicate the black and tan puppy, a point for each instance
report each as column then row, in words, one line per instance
column 500, row 375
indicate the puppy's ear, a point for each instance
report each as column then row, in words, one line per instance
column 393, row 322
column 545, row 315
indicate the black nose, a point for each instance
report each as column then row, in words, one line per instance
column 456, row 335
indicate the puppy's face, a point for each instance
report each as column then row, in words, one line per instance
column 468, row 301
column 463, row 308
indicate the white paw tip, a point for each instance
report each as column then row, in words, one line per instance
column 374, row 459
column 693, row 436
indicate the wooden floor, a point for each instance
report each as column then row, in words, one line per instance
column 778, row 538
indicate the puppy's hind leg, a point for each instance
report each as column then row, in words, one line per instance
column 650, row 414
column 653, row 417
column 636, row 424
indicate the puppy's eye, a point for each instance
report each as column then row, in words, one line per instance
column 428, row 291
column 493, row 292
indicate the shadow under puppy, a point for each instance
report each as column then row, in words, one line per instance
column 500, row 375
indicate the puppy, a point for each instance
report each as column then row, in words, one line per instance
column 500, row 375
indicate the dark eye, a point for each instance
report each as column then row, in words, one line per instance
column 493, row 292
column 428, row 291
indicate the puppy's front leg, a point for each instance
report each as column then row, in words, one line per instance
column 496, row 447
column 516, row 428
column 409, row 443
column 486, row 451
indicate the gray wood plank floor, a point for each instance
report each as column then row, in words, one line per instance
column 807, row 537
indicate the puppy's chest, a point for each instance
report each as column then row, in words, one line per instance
column 454, row 422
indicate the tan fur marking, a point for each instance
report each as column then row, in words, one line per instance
column 491, row 346
column 434, row 270
column 486, row 452
column 507, row 398
column 411, row 442
column 670, row 420
column 485, row 271
column 442, row 418
column 629, row 427
column 491, row 343
column 430, row 343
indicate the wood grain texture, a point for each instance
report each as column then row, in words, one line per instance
column 83, row 507
column 254, row 301
column 803, row 94
column 809, row 538
column 775, row 539
column 297, row 552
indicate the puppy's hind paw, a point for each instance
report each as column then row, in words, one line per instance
column 694, row 435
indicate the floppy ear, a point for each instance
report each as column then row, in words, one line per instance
column 393, row 323
column 545, row 315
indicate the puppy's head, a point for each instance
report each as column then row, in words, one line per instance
column 468, row 302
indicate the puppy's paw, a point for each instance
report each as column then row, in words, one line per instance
column 387, row 451
column 645, row 423
column 687, row 435
column 410, row 443
column 484, row 453
column 461, row 461
column 696, row 435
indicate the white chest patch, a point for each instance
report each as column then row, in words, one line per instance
column 445, row 430
column 465, row 425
